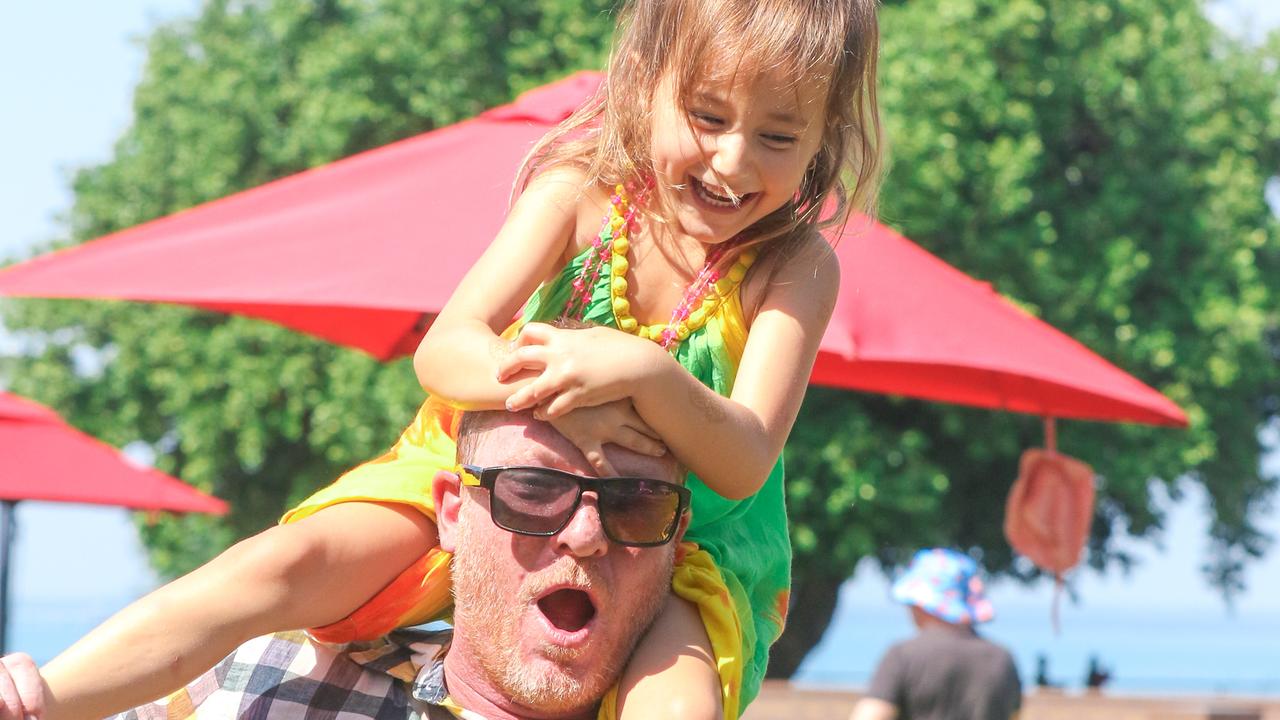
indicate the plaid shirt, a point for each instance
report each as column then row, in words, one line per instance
column 291, row 676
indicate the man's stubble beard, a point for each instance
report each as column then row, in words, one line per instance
column 491, row 629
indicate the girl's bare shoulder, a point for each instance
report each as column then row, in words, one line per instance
column 593, row 206
column 806, row 265
column 587, row 203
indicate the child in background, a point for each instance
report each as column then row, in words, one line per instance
column 725, row 132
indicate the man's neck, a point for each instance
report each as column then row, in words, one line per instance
column 470, row 689
column 943, row 626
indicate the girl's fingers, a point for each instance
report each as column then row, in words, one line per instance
column 521, row 399
column 564, row 402
column 532, row 357
column 632, row 440
column 599, row 463
column 535, row 393
column 634, row 422
column 534, row 334
column 627, row 416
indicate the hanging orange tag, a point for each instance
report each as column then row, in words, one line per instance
column 1050, row 510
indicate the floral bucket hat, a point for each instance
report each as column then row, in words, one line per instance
column 945, row 584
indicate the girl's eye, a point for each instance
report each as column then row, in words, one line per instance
column 778, row 141
column 706, row 119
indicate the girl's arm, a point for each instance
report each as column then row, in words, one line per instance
column 730, row 443
column 305, row 574
column 459, row 356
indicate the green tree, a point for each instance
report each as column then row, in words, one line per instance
column 245, row 93
column 1102, row 162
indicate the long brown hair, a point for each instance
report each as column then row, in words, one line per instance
column 833, row 41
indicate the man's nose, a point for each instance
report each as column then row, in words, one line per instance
column 584, row 535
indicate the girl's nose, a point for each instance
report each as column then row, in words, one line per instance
column 730, row 156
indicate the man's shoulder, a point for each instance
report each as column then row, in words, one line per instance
column 921, row 642
column 993, row 650
column 935, row 641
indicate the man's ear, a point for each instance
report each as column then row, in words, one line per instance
column 446, row 493
column 684, row 525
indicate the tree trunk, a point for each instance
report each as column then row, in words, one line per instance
column 813, row 602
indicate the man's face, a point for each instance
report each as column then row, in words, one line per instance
column 550, row 622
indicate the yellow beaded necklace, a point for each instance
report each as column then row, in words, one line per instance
column 701, row 301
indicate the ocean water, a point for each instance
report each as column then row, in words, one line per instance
column 1148, row 651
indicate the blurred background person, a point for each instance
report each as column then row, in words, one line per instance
column 947, row 671
column 1043, row 682
column 1096, row 676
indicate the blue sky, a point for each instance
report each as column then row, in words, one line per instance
column 66, row 71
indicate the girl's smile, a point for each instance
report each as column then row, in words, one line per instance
column 717, row 198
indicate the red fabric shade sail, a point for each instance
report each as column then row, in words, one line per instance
column 43, row 458
column 364, row 251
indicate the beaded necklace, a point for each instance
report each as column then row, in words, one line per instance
column 705, row 293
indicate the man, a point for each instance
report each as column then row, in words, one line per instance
column 946, row 672
column 553, row 587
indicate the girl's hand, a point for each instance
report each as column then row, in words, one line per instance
column 589, row 428
column 577, row 368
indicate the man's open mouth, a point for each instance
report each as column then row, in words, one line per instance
column 715, row 198
column 567, row 609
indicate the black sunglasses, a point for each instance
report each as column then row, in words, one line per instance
column 530, row 500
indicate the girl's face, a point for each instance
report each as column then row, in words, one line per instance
column 736, row 152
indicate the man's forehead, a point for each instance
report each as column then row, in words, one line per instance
column 519, row 441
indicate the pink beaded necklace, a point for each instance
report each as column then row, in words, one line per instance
column 609, row 249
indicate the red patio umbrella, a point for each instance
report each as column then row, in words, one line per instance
column 364, row 251
column 907, row 323
column 43, row 458
column 354, row 252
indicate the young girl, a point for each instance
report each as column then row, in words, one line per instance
column 725, row 130
column 710, row 152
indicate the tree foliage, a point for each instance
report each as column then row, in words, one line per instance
column 245, row 93
column 1102, row 162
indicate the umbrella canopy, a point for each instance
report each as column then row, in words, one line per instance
column 354, row 252
column 43, row 458
column 907, row 323
column 364, row 251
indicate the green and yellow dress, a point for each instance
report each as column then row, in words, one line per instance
column 735, row 565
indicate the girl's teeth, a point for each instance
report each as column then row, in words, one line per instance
column 711, row 197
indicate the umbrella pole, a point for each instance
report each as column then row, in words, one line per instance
column 6, row 539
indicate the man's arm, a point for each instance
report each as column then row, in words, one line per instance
column 869, row 708
column 307, row 574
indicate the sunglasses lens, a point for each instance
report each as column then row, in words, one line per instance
column 529, row 501
column 639, row 512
